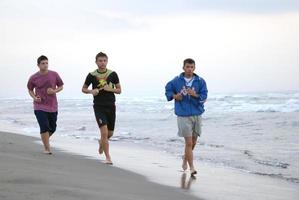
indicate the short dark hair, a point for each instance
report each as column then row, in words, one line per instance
column 41, row 58
column 101, row 54
column 189, row 61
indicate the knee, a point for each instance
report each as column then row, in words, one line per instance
column 104, row 131
column 189, row 144
column 104, row 140
column 104, row 136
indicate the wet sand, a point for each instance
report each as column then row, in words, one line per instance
column 75, row 171
column 26, row 173
column 212, row 182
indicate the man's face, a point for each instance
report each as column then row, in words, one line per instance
column 102, row 62
column 189, row 69
column 43, row 65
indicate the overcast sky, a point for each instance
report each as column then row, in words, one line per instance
column 238, row 45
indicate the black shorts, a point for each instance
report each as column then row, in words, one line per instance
column 46, row 120
column 105, row 115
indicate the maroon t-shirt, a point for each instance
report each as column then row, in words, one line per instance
column 41, row 82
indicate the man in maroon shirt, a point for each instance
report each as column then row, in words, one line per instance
column 42, row 87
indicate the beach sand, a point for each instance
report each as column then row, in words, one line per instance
column 212, row 182
column 75, row 171
column 26, row 173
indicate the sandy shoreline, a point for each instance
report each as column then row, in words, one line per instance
column 211, row 183
column 25, row 173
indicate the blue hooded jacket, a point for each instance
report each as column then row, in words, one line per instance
column 189, row 105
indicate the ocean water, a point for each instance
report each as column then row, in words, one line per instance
column 255, row 133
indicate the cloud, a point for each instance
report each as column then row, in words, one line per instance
column 152, row 38
column 166, row 7
column 137, row 8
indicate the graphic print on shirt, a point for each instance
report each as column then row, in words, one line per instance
column 102, row 79
column 184, row 92
column 188, row 84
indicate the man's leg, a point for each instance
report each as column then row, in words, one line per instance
column 104, row 143
column 110, row 114
column 43, row 123
column 194, row 140
column 110, row 134
column 184, row 165
column 45, row 140
column 196, row 130
column 183, row 128
column 101, row 150
column 188, row 152
column 52, row 117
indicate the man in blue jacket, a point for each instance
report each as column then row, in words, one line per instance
column 190, row 93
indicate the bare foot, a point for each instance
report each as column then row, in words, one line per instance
column 108, row 162
column 184, row 165
column 101, row 150
column 47, row 152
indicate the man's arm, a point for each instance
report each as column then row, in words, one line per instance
column 58, row 89
column 203, row 92
column 34, row 97
column 115, row 80
column 116, row 90
column 170, row 93
column 85, row 90
column 51, row 91
column 192, row 93
column 86, row 84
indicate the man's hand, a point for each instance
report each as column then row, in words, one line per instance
column 51, row 91
column 178, row 97
column 94, row 92
column 107, row 88
column 37, row 99
column 191, row 92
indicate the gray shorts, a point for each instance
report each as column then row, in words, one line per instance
column 189, row 126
